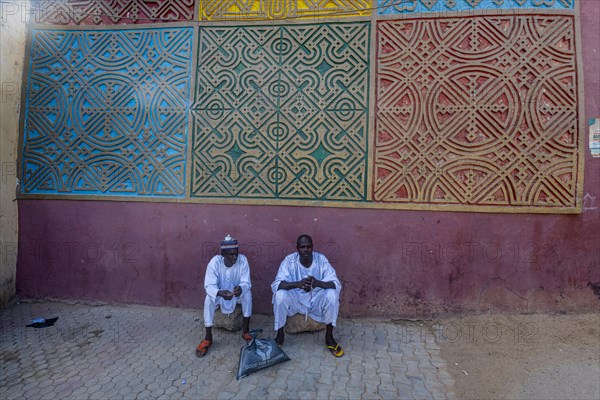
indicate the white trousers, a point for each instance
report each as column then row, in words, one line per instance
column 227, row 306
column 324, row 306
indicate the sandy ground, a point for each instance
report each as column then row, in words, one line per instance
column 522, row 356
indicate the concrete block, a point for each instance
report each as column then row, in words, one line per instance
column 297, row 324
column 231, row 322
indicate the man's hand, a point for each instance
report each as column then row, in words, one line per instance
column 226, row 294
column 307, row 283
column 237, row 291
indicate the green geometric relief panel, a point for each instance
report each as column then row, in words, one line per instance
column 280, row 112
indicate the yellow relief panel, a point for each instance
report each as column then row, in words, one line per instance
column 218, row 10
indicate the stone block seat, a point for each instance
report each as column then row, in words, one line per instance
column 232, row 322
column 297, row 324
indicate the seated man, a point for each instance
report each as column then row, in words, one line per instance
column 227, row 283
column 306, row 283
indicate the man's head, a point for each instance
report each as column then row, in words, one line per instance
column 229, row 251
column 304, row 245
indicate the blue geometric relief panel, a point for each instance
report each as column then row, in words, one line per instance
column 280, row 112
column 423, row 6
column 107, row 112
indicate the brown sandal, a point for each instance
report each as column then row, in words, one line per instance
column 247, row 336
column 202, row 348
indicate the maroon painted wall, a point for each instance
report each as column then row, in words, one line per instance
column 395, row 263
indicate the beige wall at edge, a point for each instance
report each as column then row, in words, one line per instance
column 13, row 32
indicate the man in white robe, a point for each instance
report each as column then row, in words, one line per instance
column 306, row 283
column 227, row 283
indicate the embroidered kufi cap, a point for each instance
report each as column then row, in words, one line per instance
column 229, row 243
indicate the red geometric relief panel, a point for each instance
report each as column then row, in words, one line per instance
column 477, row 111
column 110, row 12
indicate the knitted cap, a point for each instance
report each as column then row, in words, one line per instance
column 229, row 243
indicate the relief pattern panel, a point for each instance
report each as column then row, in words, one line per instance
column 479, row 111
column 107, row 112
column 386, row 7
column 219, row 10
column 474, row 112
column 109, row 12
column 280, row 112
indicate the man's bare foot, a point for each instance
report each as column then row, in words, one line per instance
column 280, row 336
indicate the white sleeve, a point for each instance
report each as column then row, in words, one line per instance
column 283, row 274
column 329, row 274
column 245, row 282
column 211, row 278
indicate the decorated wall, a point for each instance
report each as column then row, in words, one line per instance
column 436, row 150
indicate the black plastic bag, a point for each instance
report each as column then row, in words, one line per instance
column 259, row 354
column 41, row 322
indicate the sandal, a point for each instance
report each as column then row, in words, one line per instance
column 247, row 336
column 202, row 348
column 336, row 350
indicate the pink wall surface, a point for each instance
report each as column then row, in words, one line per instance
column 392, row 263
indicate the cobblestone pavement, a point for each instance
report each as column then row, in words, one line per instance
column 114, row 352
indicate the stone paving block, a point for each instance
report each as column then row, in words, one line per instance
column 170, row 390
column 326, row 376
column 174, row 396
column 95, row 396
column 446, row 381
column 437, row 390
column 32, row 393
column 307, row 393
column 340, row 383
column 412, row 368
column 369, row 396
column 380, row 337
column 341, row 371
column 404, row 391
column 226, row 396
column 383, row 365
column 94, row 389
column 63, row 391
column 28, row 374
column 311, row 378
column 124, row 391
column 294, row 385
column 112, row 393
column 107, row 386
column 153, row 386
column 260, row 392
column 387, row 394
column 30, row 385
column 419, row 390
column 338, row 393
column 43, row 384
column 79, row 392
column 372, row 377
column 51, row 396
column 322, row 390
column 140, row 387
column 356, row 374
column 274, row 393
column 371, row 390
column 355, row 392
column 12, row 393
